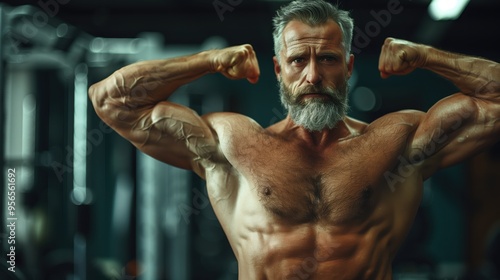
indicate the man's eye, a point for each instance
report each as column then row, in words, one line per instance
column 328, row 58
column 298, row 60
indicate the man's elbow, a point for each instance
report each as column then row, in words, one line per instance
column 98, row 97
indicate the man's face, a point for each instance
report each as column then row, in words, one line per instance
column 313, row 74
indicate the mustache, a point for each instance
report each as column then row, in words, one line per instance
column 316, row 89
column 334, row 95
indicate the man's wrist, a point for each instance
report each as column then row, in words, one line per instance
column 208, row 58
column 427, row 57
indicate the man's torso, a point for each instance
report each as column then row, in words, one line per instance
column 296, row 211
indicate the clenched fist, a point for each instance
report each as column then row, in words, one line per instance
column 400, row 57
column 238, row 62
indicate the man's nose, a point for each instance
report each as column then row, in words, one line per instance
column 313, row 74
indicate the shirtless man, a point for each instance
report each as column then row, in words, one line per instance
column 318, row 195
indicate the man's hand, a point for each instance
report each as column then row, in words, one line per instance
column 400, row 57
column 239, row 62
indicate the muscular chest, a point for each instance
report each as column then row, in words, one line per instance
column 315, row 198
column 302, row 186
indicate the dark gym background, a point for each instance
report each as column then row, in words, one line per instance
column 89, row 206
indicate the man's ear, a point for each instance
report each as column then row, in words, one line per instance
column 350, row 65
column 277, row 68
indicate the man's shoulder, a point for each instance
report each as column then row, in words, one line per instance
column 404, row 119
column 228, row 122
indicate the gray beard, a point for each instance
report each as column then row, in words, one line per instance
column 316, row 114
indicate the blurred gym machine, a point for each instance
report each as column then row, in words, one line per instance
column 78, row 180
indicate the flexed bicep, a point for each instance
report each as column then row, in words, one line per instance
column 455, row 128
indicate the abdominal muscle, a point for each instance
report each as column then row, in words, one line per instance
column 312, row 252
column 267, row 248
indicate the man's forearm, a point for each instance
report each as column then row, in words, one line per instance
column 473, row 76
column 149, row 82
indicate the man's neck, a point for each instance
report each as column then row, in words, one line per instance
column 315, row 139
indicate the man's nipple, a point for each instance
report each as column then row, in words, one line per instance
column 266, row 191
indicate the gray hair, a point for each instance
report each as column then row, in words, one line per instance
column 313, row 13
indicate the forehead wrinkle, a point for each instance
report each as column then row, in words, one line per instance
column 308, row 42
column 294, row 39
column 296, row 49
column 323, row 37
